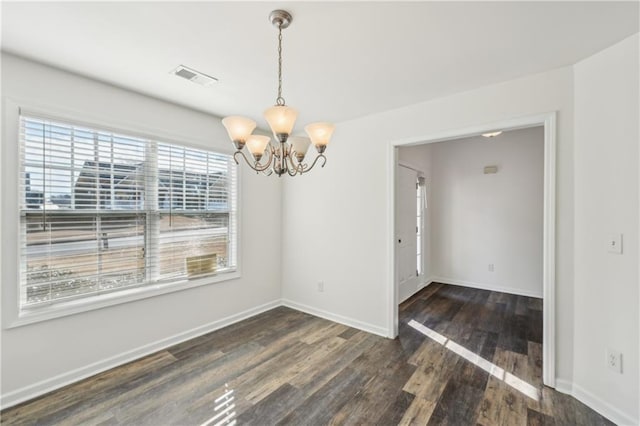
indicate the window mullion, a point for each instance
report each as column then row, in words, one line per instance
column 152, row 225
column 232, row 243
column 97, row 222
column 71, row 168
column 112, row 176
column 208, row 184
column 184, row 179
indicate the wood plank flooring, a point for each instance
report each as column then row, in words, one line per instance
column 287, row 367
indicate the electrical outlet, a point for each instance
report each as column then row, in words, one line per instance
column 321, row 286
column 614, row 360
column 491, row 268
column 614, row 243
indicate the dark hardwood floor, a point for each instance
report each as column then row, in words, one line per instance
column 481, row 365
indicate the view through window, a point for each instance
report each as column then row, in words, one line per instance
column 102, row 212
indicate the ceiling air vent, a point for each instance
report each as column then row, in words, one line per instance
column 195, row 76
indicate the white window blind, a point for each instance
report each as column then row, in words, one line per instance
column 103, row 212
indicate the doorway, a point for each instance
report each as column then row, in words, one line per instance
column 548, row 256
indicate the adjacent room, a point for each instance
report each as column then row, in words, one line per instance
column 480, row 207
column 228, row 213
column 470, row 258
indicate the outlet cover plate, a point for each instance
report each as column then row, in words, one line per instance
column 614, row 360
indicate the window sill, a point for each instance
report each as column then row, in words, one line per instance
column 110, row 299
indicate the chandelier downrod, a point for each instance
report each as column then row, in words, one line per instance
column 281, row 20
column 280, row 100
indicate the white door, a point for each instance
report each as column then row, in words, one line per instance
column 407, row 278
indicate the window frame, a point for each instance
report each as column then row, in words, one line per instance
column 420, row 210
column 13, row 315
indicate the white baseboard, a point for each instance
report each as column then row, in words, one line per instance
column 590, row 400
column 490, row 287
column 422, row 284
column 31, row 391
column 380, row 331
column 604, row 408
column 426, row 283
column 564, row 386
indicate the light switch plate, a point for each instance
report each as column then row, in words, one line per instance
column 614, row 244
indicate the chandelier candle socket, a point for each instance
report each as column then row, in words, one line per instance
column 287, row 156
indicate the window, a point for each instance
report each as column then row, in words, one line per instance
column 103, row 212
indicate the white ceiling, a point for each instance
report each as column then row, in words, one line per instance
column 341, row 60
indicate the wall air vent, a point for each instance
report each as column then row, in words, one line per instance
column 194, row 76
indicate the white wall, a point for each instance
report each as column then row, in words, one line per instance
column 480, row 219
column 336, row 220
column 38, row 356
column 606, row 197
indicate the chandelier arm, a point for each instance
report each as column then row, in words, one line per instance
column 268, row 168
column 256, row 166
column 324, row 161
column 295, row 169
column 299, row 165
column 236, row 158
column 268, row 164
column 284, row 159
column 296, row 166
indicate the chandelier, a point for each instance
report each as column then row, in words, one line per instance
column 287, row 155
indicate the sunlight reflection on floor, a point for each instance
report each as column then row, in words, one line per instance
column 513, row 381
column 224, row 408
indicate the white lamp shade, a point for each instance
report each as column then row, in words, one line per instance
column 281, row 119
column 239, row 128
column 300, row 145
column 256, row 144
column 320, row 133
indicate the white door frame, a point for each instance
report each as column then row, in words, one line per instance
column 548, row 120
